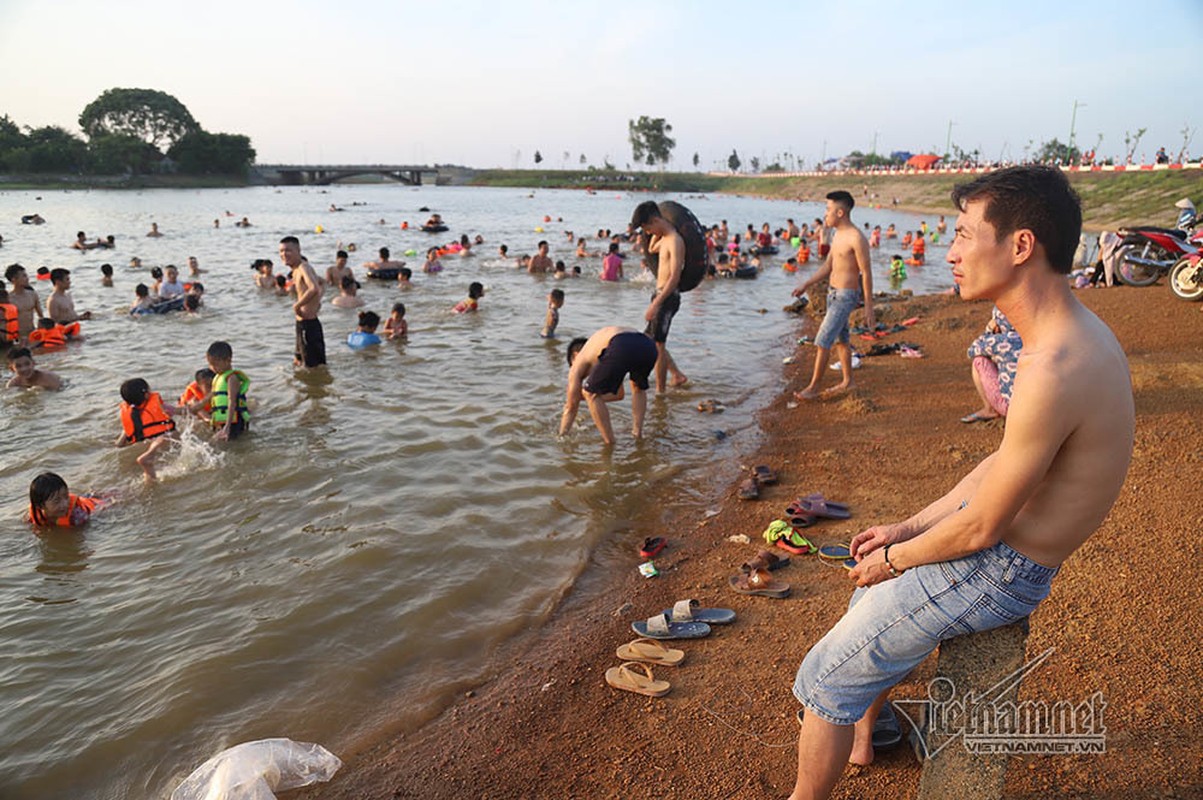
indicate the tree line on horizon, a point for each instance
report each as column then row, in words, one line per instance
column 129, row 132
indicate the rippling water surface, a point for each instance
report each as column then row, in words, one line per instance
column 385, row 523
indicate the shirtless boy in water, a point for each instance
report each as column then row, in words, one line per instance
column 59, row 306
column 851, row 280
column 24, row 297
column 985, row 554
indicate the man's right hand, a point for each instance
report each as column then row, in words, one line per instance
column 871, row 539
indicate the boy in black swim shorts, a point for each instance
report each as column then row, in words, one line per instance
column 597, row 366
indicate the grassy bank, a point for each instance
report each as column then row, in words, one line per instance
column 76, row 182
column 1109, row 199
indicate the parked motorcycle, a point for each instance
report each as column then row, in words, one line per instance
column 1186, row 276
column 1148, row 252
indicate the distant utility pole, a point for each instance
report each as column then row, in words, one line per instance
column 873, row 150
column 948, row 141
column 1073, row 121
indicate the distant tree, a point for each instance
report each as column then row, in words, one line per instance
column 204, row 153
column 1131, row 142
column 755, row 162
column 52, row 149
column 538, row 157
column 155, row 117
column 14, row 147
column 567, row 156
column 117, row 153
column 650, row 142
column 606, row 165
column 696, row 160
column 733, row 161
column 1053, row 151
column 775, row 167
column 583, row 159
column 1188, row 133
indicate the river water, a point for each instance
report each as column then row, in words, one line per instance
column 387, row 523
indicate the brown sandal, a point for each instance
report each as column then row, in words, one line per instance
column 759, row 582
column 627, row 677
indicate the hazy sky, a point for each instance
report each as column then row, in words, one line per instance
column 488, row 83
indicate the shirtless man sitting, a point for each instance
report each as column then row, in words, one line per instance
column 59, row 306
column 851, row 281
column 596, row 368
column 983, row 555
column 540, row 262
column 24, row 297
column 339, row 270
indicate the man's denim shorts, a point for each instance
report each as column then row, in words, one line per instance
column 840, row 305
column 892, row 626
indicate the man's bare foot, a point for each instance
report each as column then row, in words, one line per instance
column 807, row 394
column 679, row 380
column 862, row 747
column 835, row 391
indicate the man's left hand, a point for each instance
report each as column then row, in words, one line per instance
column 872, row 569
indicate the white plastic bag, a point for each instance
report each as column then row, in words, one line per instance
column 255, row 770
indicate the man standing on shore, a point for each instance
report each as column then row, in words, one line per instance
column 985, row 554
column 311, row 344
column 667, row 245
column 851, row 280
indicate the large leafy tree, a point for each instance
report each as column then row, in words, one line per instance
column 53, row 149
column 650, row 140
column 204, row 153
column 155, row 117
column 113, row 154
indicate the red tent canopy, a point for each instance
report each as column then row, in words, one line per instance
column 922, row 161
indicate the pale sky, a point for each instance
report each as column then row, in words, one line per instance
column 489, row 83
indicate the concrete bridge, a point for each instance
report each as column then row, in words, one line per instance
column 325, row 174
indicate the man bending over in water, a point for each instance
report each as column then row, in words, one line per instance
column 669, row 247
column 847, row 265
column 597, row 366
column 985, row 554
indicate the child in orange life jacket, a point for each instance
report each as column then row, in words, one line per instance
column 196, row 396
column 10, row 326
column 803, row 252
column 52, row 504
column 49, row 335
column 144, row 416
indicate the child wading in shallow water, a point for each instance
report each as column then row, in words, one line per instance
column 475, row 292
column 144, row 416
column 396, row 326
column 555, row 301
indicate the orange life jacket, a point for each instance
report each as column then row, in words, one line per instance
column 193, row 392
column 147, row 420
column 79, row 511
column 10, row 329
column 803, row 254
column 906, row 239
column 919, row 247
column 48, row 337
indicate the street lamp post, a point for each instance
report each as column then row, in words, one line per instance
column 1073, row 121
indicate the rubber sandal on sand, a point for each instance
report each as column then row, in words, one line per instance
column 815, row 505
column 691, row 611
column 652, row 546
column 801, row 521
column 969, row 419
column 835, row 552
column 749, row 489
column 765, row 559
column 651, row 651
column 759, row 583
column 636, row 677
column 795, row 543
column 764, row 474
column 659, row 627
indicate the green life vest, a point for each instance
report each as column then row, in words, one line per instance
column 220, row 402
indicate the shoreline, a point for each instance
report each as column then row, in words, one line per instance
column 545, row 724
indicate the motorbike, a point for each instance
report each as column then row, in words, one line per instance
column 1186, row 276
column 1148, row 252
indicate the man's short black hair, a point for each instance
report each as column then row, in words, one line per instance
column 645, row 212
column 19, row 352
column 842, row 199
column 557, row 295
column 1038, row 199
column 11, row 271
column 384, row 253
column 106, row 269
column 575, row 347
column 291, row 240
column 58, row 273
column 341, row 254
column 221, row 350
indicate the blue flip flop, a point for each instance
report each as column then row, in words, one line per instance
column 835, row 552
column 660, row 627
column 689, row 611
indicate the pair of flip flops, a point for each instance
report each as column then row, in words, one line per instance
column 757, row 581
column 652, row 546
column 636, row 676
column 812, row 507
column 685, row 620
column 762, row 475
column 887, row 733
column 838, row 554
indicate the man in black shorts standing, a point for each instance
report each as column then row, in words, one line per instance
column 667, row 244
column 596, row 368
column 311, row 345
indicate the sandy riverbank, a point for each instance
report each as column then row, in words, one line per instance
column 1122, row 614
